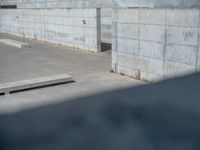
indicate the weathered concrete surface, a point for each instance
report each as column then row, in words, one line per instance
column 107, row 3
column 90, row 71
column 152, row 44
column 106, row 25
column 8, row 2
column 77, row 28
column 7, row 88
column 15, row 43
column 163, row 116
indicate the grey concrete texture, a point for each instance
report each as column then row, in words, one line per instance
column 91, row 73
column 7, row 88
column 106, row 25
column 8, row 2
column 78, row 28
column 104, row 3
column 13, row 43
column 152, row 44
column 162, row 116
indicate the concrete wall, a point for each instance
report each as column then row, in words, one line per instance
column 8, row 2
column 106, row 13
column 106, row 17
column 106, row 25
column 152, row 39
column 68, row 3
column 73, row 27
column 151, row 44
column 106, row 3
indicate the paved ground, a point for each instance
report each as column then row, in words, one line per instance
column 161, row 116
column 90, row 71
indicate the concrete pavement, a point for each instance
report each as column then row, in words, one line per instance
column 90, row 71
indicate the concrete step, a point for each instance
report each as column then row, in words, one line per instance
column 6, row 88
column 15, row 43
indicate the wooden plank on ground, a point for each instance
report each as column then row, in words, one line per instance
column 6, row 88
column 15, row 43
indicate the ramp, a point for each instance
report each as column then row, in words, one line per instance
column 7, row 88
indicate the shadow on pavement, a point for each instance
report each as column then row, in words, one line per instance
column 161, row 116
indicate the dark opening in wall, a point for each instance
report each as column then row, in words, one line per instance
column 106, row 46
column 8, row 6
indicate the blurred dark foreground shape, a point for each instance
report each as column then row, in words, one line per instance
column 162, row 116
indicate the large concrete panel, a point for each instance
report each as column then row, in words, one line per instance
column 78, row 28
column 107, row 4
column 182, row 54
column 128, row 30
column 152, row 33
column 130, row 46
column 182, row 35
column 106, row 25
column 124, row 16
column 168, row 41
column 151, row 49
column 183, row 17
column 152, row 16
column 174, row 69
column 149, row 65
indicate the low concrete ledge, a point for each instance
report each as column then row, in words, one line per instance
column 6, row 88
column 15, row 43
